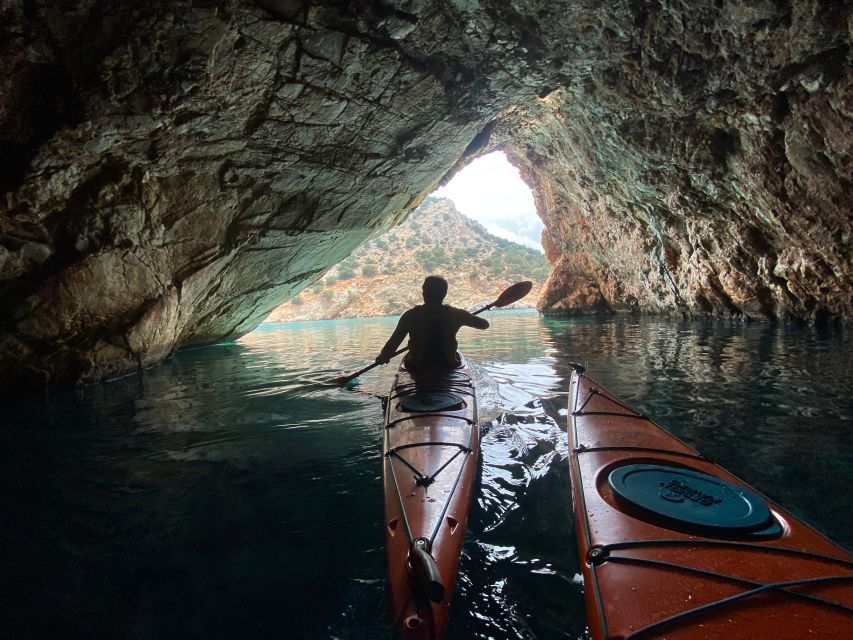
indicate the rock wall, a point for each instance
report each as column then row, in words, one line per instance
column 174, row 170
column 706, row 172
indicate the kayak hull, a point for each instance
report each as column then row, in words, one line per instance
column 672, row 545
column 430, row 451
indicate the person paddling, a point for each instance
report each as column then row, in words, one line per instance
column 432, row 328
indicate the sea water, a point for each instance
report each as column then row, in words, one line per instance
column 228, row 493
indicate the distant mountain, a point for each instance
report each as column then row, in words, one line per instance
column 383, row 277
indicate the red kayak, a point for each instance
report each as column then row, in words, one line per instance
column 431, row 445
column 673, row 546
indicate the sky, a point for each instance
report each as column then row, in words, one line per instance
column 491, row 191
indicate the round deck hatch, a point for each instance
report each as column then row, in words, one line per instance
column 431, row 401
column 689, row 497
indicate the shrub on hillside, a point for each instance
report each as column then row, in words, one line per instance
column 425, row 257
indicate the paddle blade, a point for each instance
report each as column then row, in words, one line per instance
column 514, row 293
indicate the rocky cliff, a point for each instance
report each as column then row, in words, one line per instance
column 172, row 171
column 383, row 277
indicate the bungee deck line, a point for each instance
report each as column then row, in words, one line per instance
column 731, row 600
column 461, row 387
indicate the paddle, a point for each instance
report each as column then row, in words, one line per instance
column 511, row 294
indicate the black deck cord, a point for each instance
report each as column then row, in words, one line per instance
column 400, row 501
column 690, row 456
column 590, row 392
column 711, row 606
column 735, row 579
column 421, row 479
column 636, row 416
column 662, row 542
column 595, row 392
column 465, row 450
column 415, row 416
column 447, row 502
column 409, row 388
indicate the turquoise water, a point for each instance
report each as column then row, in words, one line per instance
column 224, row 494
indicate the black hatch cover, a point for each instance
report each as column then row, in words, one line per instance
column 691, row 498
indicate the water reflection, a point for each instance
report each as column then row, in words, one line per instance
column 228, row 491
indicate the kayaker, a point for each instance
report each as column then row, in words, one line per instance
column 432, row 328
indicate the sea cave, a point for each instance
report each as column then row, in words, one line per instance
column 173, row 171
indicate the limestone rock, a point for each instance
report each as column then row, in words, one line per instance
column 706, row 172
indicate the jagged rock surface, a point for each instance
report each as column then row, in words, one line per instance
column 173, row 171
column 196, row 164
column 707, row 172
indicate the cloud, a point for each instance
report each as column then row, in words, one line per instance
column 507, row 234
column 490, row 190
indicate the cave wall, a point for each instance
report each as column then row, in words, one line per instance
column 174, row 170
column 708, row 172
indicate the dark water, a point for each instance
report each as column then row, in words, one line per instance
column 222, row 496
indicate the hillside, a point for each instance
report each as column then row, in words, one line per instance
column 383, row 277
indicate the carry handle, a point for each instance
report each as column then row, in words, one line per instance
column 424, row 570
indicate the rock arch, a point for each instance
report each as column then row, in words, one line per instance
column 176, row 169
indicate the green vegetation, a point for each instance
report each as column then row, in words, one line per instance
column 435, row 239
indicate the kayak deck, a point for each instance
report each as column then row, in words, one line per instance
column 430, row 450
column 671, row 545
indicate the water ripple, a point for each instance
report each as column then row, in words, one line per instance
column 196, row 498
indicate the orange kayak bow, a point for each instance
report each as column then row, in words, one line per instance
column 430, row 451
column 673, row 546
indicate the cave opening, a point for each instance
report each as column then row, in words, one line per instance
column 491, row 191
column 481, row 231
